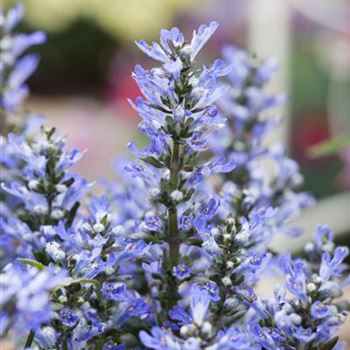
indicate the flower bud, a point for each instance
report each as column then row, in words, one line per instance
column 60, row 188
column 311, row 287
column 296, row 319
column 226, row 281
column 215, row 232
column 184, row 330
column 53, row 249
column 62, row 299
column 40, row 209
column 230, row 264
column 166, row 175
column 188, row 330
column 206, row 328
column 99, row 227
column 231, row 303
column 176, row 195
column 227, row 238
column 309, row 247
column 57, row 214
column 33, row 184
column 154, row 192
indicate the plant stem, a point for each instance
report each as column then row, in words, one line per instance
column 2, row 121
column 100, row 342
column 29, row 340
column 173, row 239
column 174, row 166
column 173, row 231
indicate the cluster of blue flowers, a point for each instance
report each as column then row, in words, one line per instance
column 170, row 256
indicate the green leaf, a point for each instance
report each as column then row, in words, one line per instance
column 330, row 344
column 31, row 262
column 86, row 280
column 68, row 182
column 329, row 147
column 49, row 131
column 153, row 161
column 71, row 214
column 104, row 220
column 41, row 257
column 70, row 281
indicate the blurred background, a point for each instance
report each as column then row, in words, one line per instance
column 84, row 78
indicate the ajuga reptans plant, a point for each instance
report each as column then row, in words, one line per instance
column 171, row 255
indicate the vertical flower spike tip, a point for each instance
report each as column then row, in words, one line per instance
column 14, row 71
column 201, row 37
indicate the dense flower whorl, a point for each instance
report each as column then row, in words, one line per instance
column 43, row 192
column 306, row 311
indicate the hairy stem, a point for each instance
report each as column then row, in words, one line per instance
column 174, row 242
column 173, row 230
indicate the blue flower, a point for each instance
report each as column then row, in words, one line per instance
column 200, row 301
column 14, row 71
column 323, row 238
column 47, row 337
column 132, row 306
column 332, row 266
column 295, row 276
column 158, row 339
column 178, row 314
column 212, row 289
column 263, row 337
column 13, row 17
column 209, row 243
column 173, row 39
column 114, row 290
column 87, row 328
column 68, row 317
column 152, row 223
column 209, row 208
column 25, row 292
column 320, row 310
column 99, row 266
column 186, row 222
column 304, row 335
column 181, row 271
column 200, row 38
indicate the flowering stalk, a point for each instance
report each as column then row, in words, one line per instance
column 254, row 204
column 250, row 120
column 14, row 69
column 173, row 232
column 178, row 114
column 305, row 313
column 44, row 191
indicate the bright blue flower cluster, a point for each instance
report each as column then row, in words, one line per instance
column 167, row 259
column 14, row 71
column 304, row 310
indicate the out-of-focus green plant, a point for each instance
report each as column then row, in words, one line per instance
column 329, row 147
column 123, row 20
